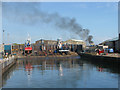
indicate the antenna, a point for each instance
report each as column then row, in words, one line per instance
column 8, row 37
column 28, row 38
column 3, row 37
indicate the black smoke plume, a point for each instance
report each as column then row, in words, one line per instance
column 30, row 13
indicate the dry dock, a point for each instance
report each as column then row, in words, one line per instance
column 72, row 54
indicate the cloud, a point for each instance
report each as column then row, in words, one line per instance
column 112, row 5
column 82, row 5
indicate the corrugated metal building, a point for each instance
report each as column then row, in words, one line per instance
column 112, row 43
column 71, row 44
column 45, row 45
column 46, row 42
column 75, row 42
column 76, row 45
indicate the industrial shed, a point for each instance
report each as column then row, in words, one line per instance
column 76, row 45
column 75, row 42
column 113, row 43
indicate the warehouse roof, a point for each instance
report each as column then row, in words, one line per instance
column 77, row 40
column 114, row 39
column 110, row 40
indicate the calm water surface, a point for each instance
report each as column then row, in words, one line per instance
column 71, row 72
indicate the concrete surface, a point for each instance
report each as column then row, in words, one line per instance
column 0, row 75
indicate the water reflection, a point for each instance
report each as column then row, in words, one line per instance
column 7, row 75
column 60, row 70
column 59, row 73
column 111, row 67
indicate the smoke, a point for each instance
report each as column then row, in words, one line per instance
column 90, row 39
column 31, row 14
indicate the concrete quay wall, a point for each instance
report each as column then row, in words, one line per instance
column 7, row 63
column 100, row 58
column 0, row 75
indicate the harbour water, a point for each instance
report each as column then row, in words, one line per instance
column 69, row 72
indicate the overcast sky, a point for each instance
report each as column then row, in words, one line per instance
column 101, row 18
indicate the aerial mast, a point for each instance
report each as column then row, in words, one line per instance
column 3, row 37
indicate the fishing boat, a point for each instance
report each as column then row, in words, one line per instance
column 28, row 47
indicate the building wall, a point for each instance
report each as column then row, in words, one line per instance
column 117, row 46
column 113, row 44
column 1, row 75
column 45, row 45
column 17, row 48
column 110, row 44
column 119, row 43
column 51, row 44
column 47, row 42
column 1, row 47
column 75, row 42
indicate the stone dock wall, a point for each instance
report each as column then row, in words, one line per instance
column 7, row 63
column 100, row 58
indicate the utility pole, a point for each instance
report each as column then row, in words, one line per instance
column 3, row 42
column 3, row 37
column 8, row 38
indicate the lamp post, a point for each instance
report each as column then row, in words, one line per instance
column 3, row 37
column 3, row 42
column 8, row 38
